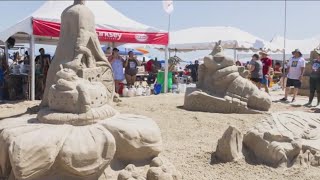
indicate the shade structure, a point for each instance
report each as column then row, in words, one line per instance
column 124, row 51
column 142, row 50
column 43, row 27
column 111, row 25
column 304, row 45
column 204, row 38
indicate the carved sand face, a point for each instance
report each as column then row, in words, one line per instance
column 67, row 74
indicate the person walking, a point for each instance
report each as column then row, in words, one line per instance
column 255, row 68
column 295, row 71
column 266, row 67
column 314, row 80
column 131, row 69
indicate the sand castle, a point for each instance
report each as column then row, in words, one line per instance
column 77, row 134
column 223, row 88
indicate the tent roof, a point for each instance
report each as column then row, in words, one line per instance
column 305, row 45
column 204, row 38
column 105, row 17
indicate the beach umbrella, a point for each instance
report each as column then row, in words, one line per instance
column 143, row 50
column 124, row 51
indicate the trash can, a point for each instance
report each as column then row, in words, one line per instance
column 160, row 80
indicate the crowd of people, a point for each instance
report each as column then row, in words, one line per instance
column 14, row 75
column 130, row 66
column 263, row 72
column 290, row 75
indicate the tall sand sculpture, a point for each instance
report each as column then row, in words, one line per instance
column 77, row 134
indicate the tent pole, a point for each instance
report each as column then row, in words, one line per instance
column 235, row 54
column 284, row 32
column 32, row 72
column 166, row 70
column 6, row 51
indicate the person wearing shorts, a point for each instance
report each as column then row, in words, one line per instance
column 314, row 80
column 295, row 71
column 131, row 69
column 116, row 62
column 266, row 67
column 255, row 68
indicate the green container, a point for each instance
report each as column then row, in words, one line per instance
column 160, row 80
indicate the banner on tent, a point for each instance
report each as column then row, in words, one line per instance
column 52, row 29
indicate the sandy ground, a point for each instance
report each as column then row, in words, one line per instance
column 190, row 138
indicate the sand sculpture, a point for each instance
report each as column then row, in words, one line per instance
column 282, row 139
column 222, row 88
column 76, row 134
column 229, row 147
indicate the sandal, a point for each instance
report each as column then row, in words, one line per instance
column 283, row 99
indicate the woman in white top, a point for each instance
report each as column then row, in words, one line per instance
column 116, row 62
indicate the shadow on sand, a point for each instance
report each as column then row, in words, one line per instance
column 30, row 110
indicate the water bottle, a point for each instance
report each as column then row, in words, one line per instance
column 125, row 91
column 139, row 91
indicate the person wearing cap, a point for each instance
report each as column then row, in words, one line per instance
column 295, row 71
column 116, row 62
column 266, row 67
column 314, row 80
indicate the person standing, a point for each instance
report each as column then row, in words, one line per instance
column 255, row 69
column 194, row 70
column 314, row 80
column 116, row 62
column 131, row 69
column 266, row 67
column 150, row 66
column 295, row 71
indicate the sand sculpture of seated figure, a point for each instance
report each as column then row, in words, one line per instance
column 76, row 133
column 79, row 49
column 222, row 84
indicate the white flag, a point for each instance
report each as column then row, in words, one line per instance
column 168, row 6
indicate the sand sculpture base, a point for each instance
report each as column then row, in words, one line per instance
column 197, row 100
column 32, row 150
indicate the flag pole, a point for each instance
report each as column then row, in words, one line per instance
column 166, row 64
column 284, row 40
column 285, row 30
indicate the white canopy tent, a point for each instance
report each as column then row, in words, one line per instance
column 204, row 38
column 106, row 18
column 304, row 45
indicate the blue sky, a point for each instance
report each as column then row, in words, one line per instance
column 264, row 19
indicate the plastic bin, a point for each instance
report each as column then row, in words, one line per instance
column 160, row 80
column 157, row 89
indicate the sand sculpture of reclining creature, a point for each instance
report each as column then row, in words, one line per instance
column 77, row 134
column 223, row 88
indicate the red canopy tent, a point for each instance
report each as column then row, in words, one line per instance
column 43, row 27
column 52, row 29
